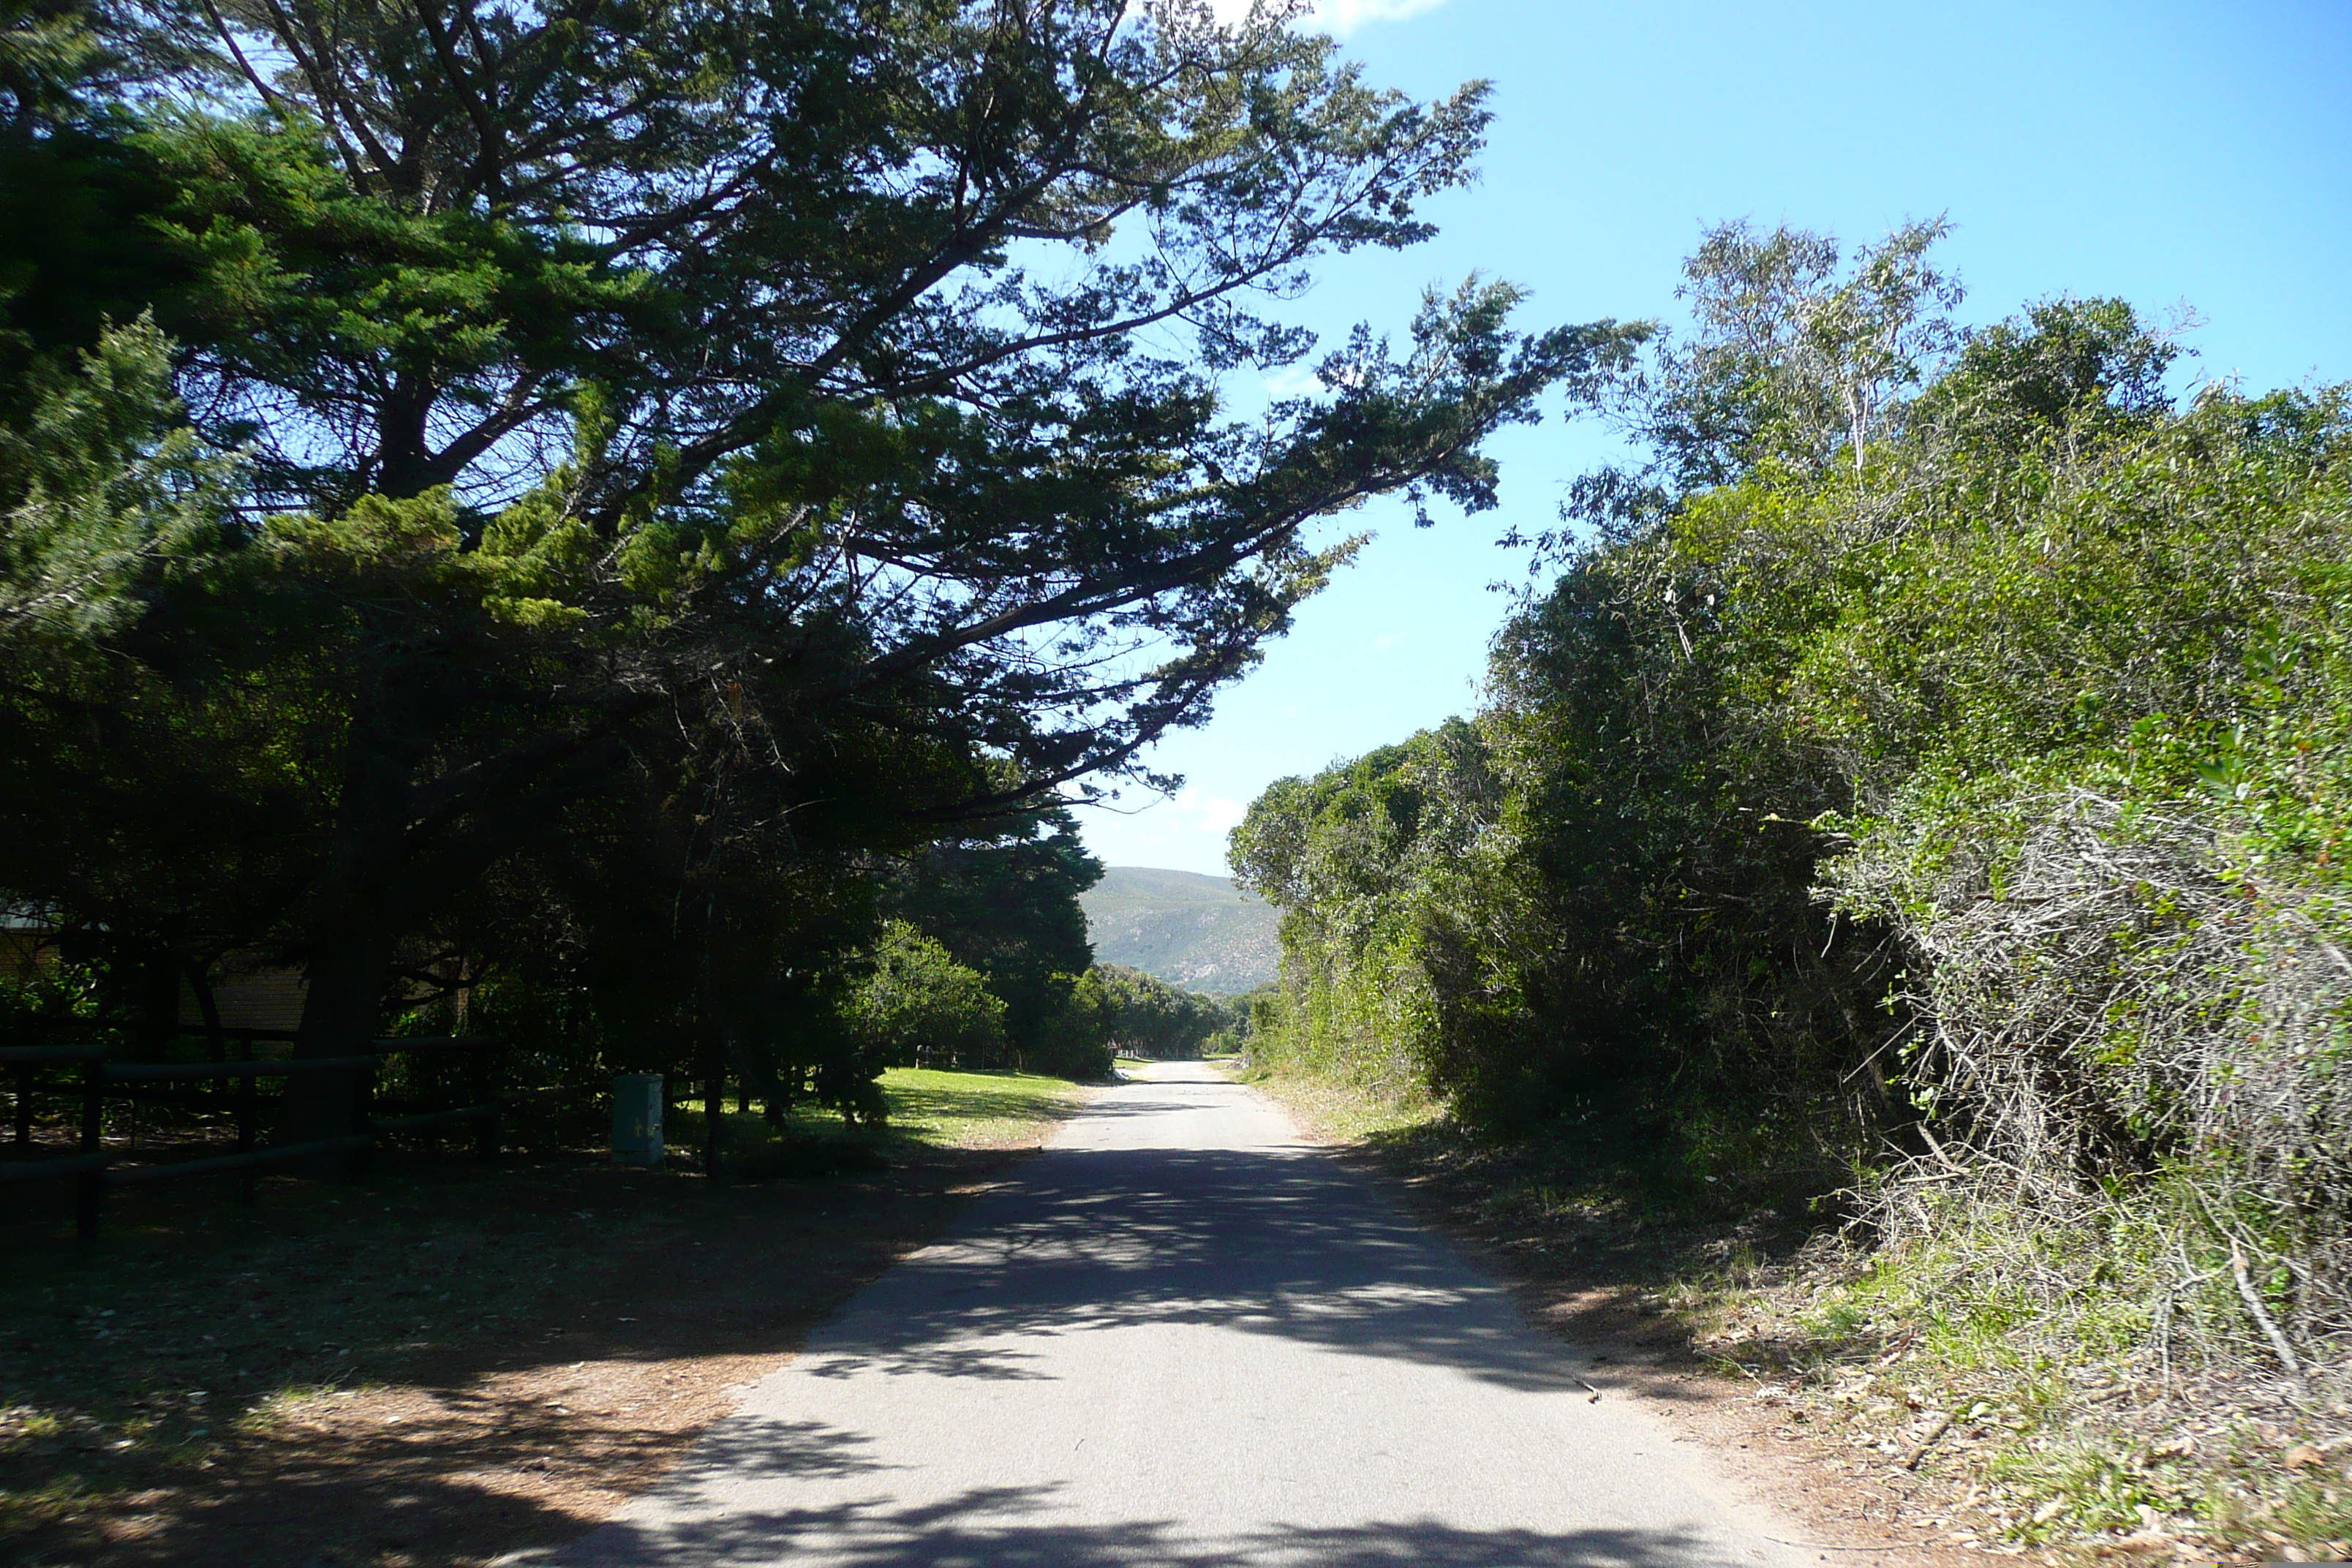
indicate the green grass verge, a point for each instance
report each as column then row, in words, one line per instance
column 974, row 1110
column 929, row 1109
column 1335, row 1111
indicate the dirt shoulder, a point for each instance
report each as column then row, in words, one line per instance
column 1603, row 1282
column 441, row 1364
column 1894, row 1435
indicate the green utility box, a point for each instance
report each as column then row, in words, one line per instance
column 637, row 1119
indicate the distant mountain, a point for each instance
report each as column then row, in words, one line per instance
column 1199, row 932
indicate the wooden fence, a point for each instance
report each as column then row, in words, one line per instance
column 95, row 1172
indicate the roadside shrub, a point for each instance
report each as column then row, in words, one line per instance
column 1950, row 808
column 919, row 1007
column 1075, row 1041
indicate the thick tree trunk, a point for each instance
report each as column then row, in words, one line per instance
column 714, row 1101
column 352, row 918
column 383, row 875
column 340, row 1014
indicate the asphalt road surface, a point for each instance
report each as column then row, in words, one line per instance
column 1182, row 1336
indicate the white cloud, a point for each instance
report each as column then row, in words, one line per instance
column 1344, row 17
column 1339, row 17
column 1214, row 813
column 1291, row 381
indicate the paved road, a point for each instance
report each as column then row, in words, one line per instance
column 1179, row 1336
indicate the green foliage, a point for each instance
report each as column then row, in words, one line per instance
column 104, row 499
column 1146, row 1017
column 1111, row 1009
column 1943, row 820
column 1982, row 789
column 78, row 194
column 2111, row 717
column 1793, row 369
column 490, row 497
column 1382, row 873
column 1076, row 1042
column 919, row 1007
column 1791, row 366
column 1008, row 907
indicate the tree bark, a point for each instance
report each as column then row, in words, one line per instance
column 341, row 1014
column 714, row 1100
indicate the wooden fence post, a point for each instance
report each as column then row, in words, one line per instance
column 245, row 1118
column 363, row 1082
column 714, row 1092
column 487, row 1078
column 89, row 1187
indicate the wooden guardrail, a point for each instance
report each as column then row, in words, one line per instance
column 95, row 1172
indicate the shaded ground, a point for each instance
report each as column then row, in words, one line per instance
column 441, row 1363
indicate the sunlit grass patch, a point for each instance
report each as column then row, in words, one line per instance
column 974, row 1110
column 931, row 1107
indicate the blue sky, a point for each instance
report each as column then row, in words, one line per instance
column 2169, row 154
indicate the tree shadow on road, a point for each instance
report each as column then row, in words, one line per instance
column 1011, row 1527
column 1280, row 1241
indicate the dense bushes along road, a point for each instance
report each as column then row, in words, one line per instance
column 1926, row 776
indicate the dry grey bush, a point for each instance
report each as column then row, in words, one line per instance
column 2115, row 1018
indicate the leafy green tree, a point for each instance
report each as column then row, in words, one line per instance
column 106, row 499
column 815, row 453
column 919, row 1007
column 147, row 819
column 80, row 195
column 1076, row 1042
column 1983, row 797
column 1606, row 892
column 1791, row 365
column 1150, row 1017
column 2078, row 371
column 1403, row 921
column 735, row 447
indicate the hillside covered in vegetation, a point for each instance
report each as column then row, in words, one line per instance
column 1193, row 930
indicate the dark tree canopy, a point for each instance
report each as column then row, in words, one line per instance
column 640, row 472
column 1008, row 908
